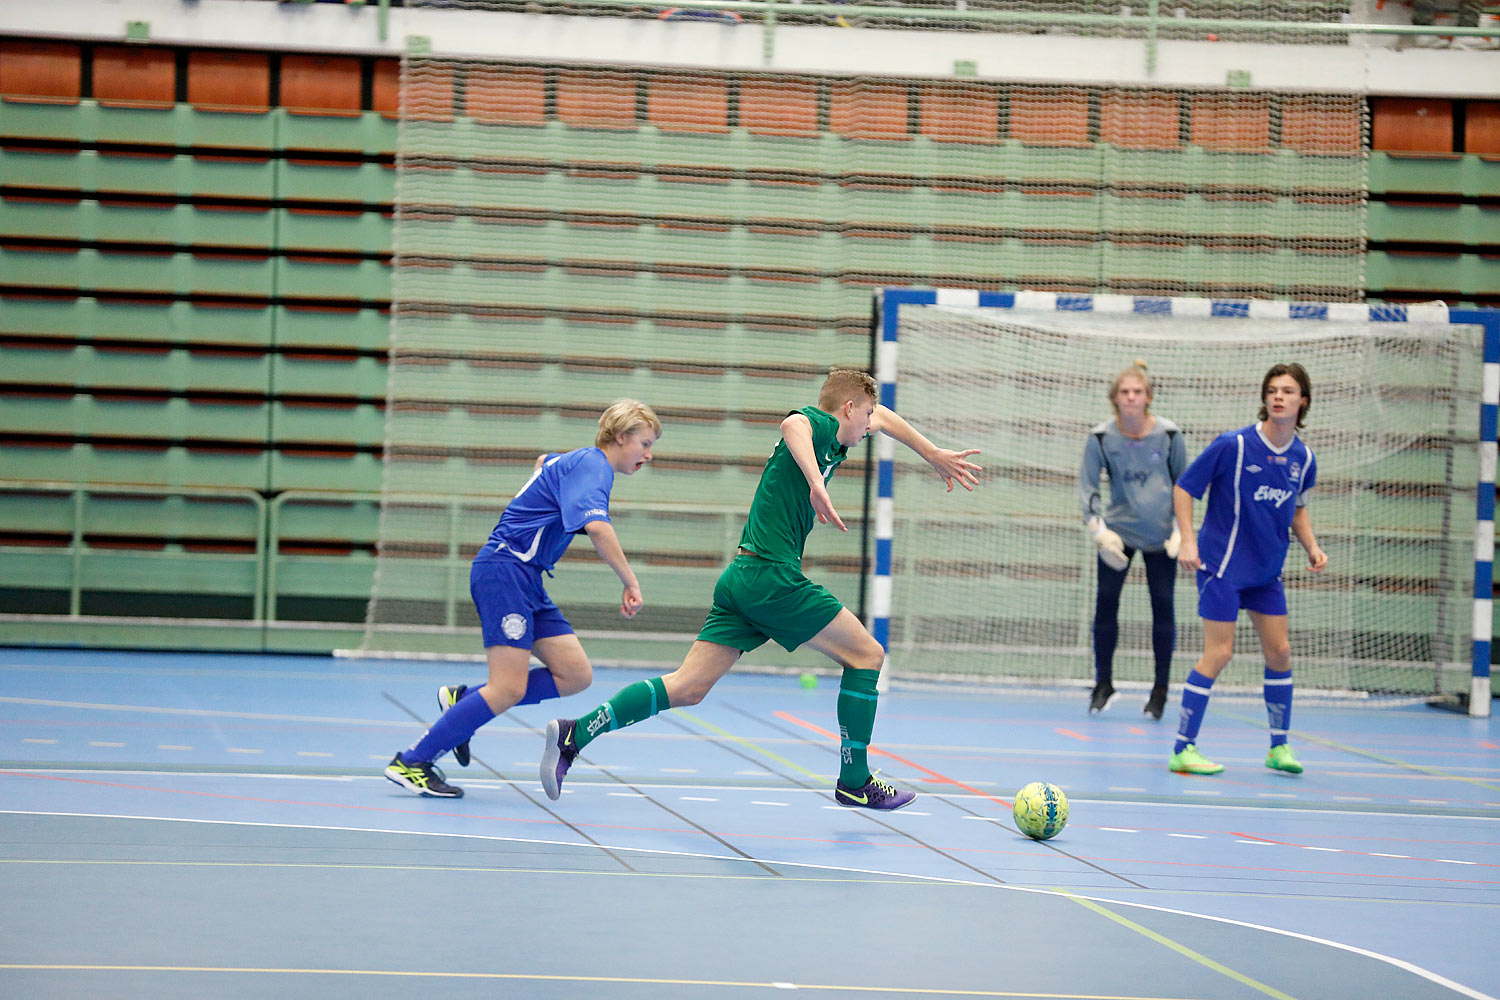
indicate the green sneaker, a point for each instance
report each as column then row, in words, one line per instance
column 1189, row 761
column 1282, row 759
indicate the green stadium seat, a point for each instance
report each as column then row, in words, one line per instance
column 365, row 329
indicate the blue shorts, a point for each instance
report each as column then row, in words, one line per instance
column 1219, row 601
column 513, row 606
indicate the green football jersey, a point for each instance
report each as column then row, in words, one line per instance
column 781, row 514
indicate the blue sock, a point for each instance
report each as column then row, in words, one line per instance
column 452, row 728
column 1278, row 689
column 540, row 686
column 1195, row 694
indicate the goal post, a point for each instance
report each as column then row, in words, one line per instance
column 1000, row 583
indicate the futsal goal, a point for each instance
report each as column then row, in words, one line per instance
column 1000, row 582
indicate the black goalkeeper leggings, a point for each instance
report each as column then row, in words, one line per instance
column 1161, row 579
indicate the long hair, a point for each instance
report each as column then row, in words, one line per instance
column 1297, row 372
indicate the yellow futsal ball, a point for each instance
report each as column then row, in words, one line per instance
column 1041, row 810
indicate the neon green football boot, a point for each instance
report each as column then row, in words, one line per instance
column 1281, row 758
column 1189, row 761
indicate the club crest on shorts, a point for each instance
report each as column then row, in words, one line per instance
column 514, row 626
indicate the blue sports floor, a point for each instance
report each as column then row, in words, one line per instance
column 219, row 827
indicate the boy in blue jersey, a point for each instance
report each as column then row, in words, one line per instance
column 1257, row 480
column 1143, row 455
column 567, row 495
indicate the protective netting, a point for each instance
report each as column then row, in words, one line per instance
column 1001, row 582
column 707, row 242
column 1279, row 21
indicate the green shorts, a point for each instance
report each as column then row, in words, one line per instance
column 756, row 600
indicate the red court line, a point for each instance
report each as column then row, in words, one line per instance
column 1068, row 732
column 941, row 779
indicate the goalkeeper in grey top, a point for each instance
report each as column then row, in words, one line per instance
column 1143, row 455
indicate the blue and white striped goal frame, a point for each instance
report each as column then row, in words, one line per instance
column 890, row 301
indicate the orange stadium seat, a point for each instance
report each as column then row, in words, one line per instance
column 688, row 103
column 320, row 85
column 229, row 81
column 868, row 110
column 1482, row 128
column 506, row 95
column 43, row 72
column 596, row 99
column 1412, row 125
column 134, row 77
column 1322, row 126
column 1139, row 119
column 959, row 112
column 1047, row 116
column 779, row 107
column 1231, row 123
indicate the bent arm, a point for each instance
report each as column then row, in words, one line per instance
column 952, row 466
column 1187, row 545
column 607, row 544
column 796, row 431
column 1088, row 480
column 1302, row 529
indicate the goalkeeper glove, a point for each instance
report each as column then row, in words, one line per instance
column 1174, row 542
column 1111, row 546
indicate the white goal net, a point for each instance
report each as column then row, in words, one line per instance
column 1001, row 582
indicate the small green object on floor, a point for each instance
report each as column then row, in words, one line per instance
column 809, row 681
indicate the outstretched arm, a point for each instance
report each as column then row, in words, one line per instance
column 952, row 466
column 607, row 544
column 796, row 431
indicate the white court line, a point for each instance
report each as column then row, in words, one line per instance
column 212, row 713
column 1405, row 966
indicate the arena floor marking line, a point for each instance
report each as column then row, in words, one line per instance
column 212, row 713
column 937, row 778
column 942, row 779
column 1422, row 769
column 1180, row 948
column 539, row 804
column 863, row 815
column 821, row 780
column 1401, row 964
column 644, row 981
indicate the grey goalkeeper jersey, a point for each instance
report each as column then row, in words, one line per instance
column 1141, row 474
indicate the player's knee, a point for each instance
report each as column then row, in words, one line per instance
column 501, row 693
column 574, row 678
column 869, row 658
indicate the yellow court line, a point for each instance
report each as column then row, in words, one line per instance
column 1181, row 949
column 1431, row 772
column 903, row 990
column 820, row 779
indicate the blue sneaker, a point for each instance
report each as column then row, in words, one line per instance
column 873, row 794
column 447, row 698
column 557, row 756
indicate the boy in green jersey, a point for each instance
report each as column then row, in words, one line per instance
column 762, row 593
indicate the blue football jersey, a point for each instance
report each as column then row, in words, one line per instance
column 1253, row 491
column 567, row 492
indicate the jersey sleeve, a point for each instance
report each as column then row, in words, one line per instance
column 1309, row 478
column 583, row 492
column 1089, row 501
column 1196, row 477
column 1177, row 457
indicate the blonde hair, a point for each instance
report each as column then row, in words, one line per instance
column 844, row 384
column 1138, row 369
column 624, row 416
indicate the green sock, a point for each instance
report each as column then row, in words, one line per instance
column 631, row 704
column 856, row 722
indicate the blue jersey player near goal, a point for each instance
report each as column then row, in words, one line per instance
column 567, row 495
column 1257, row 480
